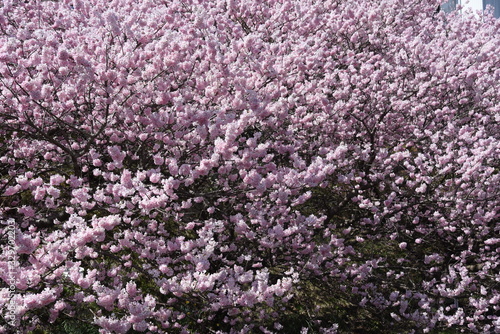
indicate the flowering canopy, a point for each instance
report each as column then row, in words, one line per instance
column 250, row 166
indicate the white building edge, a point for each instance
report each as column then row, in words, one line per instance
column 475, row 5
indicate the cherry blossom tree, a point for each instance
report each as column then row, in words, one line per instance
column 239, row 166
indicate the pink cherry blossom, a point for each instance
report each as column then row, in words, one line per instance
column 239, row 166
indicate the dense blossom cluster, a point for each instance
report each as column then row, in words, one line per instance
column 238, row 166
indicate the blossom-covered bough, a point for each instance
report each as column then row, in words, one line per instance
column 250, row 166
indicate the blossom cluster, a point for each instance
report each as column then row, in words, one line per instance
column 250, row 166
